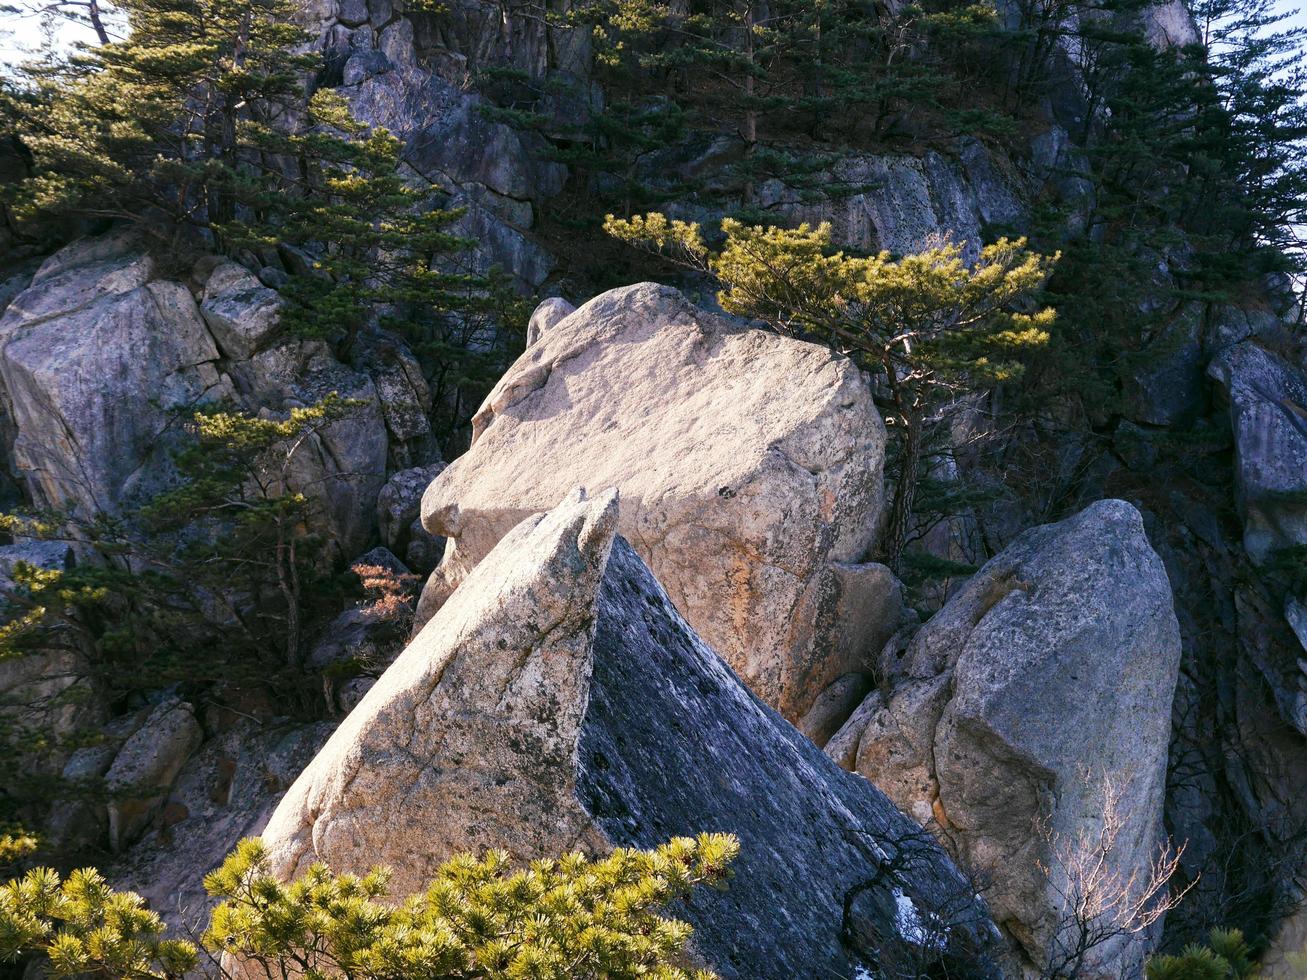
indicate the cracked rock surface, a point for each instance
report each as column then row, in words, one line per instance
column 558, row 701
column 104, row 354
column 1036, row 701
column 750, row 472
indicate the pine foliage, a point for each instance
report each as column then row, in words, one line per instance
column 932, row 326
column 569, row 918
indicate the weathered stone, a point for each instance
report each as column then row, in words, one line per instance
column 404, row 398
column 225, row 792
column 93, row 358
column 342, row 465
column 750, row 469
column 904, row 203
column 1268, row 412
column 548, row 313
column 1170, row 25
column 448, row 139
column 14, row 280
column 501, row 244
column 145, row 767
column 1295, row 614
column 98, row 357
column 399, row 504
column 558, row 701
column 1039, row 692
column 242, row 312
column 833, row 706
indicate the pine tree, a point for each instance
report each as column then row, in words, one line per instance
column 569, row 918
column 201, row 127
column 1226, row 956
column 931, row 326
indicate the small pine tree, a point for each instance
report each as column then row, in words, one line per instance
column 566, row 919
column 930, row 325
column 83, row 927
column 1226, row 956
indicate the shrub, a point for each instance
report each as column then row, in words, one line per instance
column 573, row 917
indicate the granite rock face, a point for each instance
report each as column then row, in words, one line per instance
column 145, row 767
column 559, row 701
column 1267, row 399
column 102, row 354
column 1036, row 697
column 749, row 467
column 905, row 201
column 226, row 791
column 94, row 355
column 399, row 508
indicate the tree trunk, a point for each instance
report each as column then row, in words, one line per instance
column 905, row 492
column 97, row 24
column 288, row 583
column 750, row 113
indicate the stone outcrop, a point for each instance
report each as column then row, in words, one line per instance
column 102, row 354
column 93, row 356
column 225, row 792
column 904, row 201
column 399, row 517
column 242, row 313
column 559, row 701
column 497, row 173
column 145, row 767
column 749, row 467
column 1041, row 692
column 1267, row 398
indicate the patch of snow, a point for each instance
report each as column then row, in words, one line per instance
column 909, row 922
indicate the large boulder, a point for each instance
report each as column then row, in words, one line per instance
column 242, row 313
column 558, row 701
column 1267, row 398
column 1033, row 709
column 750, row 468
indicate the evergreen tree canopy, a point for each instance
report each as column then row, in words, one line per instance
column 931, row 325
column 203, row 127
column 560, row 919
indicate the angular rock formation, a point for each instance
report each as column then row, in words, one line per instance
column 1042, row 689
column 101, row 353
column 749, row 467
column 558, row 701
column 1268, row 412
column 241, row 312
column 93, row 354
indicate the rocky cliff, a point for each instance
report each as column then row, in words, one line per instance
column 1117, row 650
